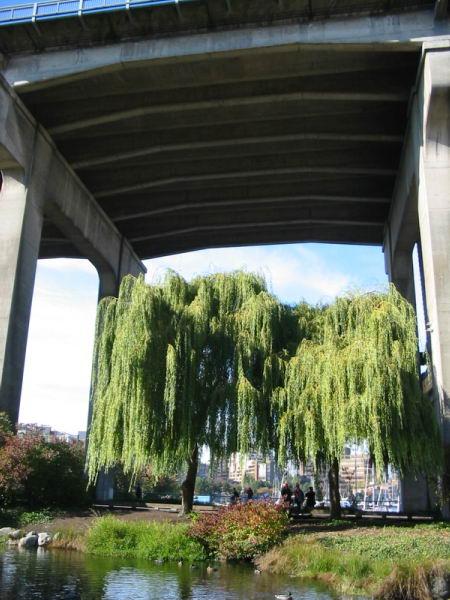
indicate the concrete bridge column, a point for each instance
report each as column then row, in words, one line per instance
column 20, row 233
column 414, row 489
column 434, row 222
column 421, row 213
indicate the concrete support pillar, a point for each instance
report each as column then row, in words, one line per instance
column 402, row 275
column 421, row 213
column 434, row 221
column 20, row 233
column 414, row 489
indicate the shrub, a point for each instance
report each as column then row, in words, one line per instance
column 242, row 531
column 36, row 516
column 37, row 473
column 152, row 541
column 56, row 475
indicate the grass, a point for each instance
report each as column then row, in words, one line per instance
column 152, row 541
column 69, row 538
column 389, row 562
column 412, row 582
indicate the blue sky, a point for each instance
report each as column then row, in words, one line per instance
column 59, row 352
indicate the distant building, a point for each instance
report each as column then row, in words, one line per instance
column 46, row 432
column 219, row 471
column 33, row 429
column 253, row 465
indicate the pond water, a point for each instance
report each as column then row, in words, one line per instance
column 63, row 575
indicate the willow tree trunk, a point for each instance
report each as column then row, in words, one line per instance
column 188, row 485
column 335, row 496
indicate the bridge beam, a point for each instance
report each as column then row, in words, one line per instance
column 36, row 181
column 421, row 213
column 398, row 31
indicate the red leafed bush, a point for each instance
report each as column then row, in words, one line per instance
column 34, row 472
column 242, row 531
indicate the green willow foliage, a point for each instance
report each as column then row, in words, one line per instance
column 356, row 379
column 183, row 364
column 220, row 362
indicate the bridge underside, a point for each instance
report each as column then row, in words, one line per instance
column 276, row 145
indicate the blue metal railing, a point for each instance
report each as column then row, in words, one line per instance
column 57, row 9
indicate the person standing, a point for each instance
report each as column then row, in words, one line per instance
column 234, row 496
column 286, row 493
column 310, row 498
column 299, row 496
column 138, row 492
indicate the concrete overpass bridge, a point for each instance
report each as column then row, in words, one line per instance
column 132, row 129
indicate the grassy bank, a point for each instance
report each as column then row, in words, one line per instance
column 152, row 541
column 389, row 562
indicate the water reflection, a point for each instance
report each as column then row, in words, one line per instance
column 53, row 575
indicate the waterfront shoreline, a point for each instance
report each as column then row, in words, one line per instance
column 388, row 561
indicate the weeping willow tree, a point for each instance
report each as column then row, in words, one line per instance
column 220, row 362
column 355, row 378
column 181, row 365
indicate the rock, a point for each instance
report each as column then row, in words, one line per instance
column 257, row 572
column 13, row 542
column 30, row 533
column 6, row 531
column 440, row 587
column 29, row 541
column 44, row 538
column 180, row 563
column 159, row 561
column 15, row 535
